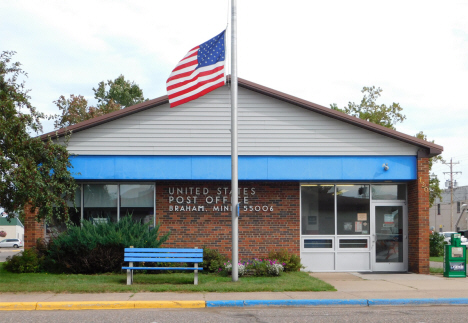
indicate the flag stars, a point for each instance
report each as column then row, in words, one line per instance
column 211, row 51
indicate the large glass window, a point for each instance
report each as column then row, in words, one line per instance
column 318, row 209
column 389, row 192
column 75, row 210
column 137, row 200
column 353, row 209
column 100, row 202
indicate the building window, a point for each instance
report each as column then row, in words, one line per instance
column 318, row 209
column 438, row 209
column 389, row 192
column 353, row 209
column 138, row 201
column 458, row 207
column 100, row 202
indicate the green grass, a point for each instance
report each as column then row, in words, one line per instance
column 437, row 259
column 440, row 259
column 178, row 282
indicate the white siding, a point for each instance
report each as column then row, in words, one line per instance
column 266, row 127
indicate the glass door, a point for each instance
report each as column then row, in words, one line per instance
column 390, row 237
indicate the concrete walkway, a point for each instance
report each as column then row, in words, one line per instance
column 363, row 289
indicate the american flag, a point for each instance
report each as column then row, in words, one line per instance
column 199, row 72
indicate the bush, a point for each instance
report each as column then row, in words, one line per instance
column 256, row 267
column 27, row 261
column 290, row 262
column 213, row 260
column 436, row 244
column 98, row 248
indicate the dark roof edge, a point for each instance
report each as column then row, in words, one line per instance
column 106, row 118
column 432, row 148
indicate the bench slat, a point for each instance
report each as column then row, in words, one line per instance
column 162, row 255
column 163, row 268
column 136, row 259
column 175, row 250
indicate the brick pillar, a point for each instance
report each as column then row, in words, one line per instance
column 33, row 230
column 418, row 220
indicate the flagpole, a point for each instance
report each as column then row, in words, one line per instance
column 234, row 173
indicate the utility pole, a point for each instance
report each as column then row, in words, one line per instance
column 451, row 190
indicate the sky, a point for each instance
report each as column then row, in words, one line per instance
column 321, row 51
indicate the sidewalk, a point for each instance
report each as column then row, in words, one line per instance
column 361, row 289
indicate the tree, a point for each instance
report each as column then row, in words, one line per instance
column 434, row 183
column 76, row 109
column 111, row 95
column 33, row 172
column 383, row 115
column 119, row 92
column 387, row 116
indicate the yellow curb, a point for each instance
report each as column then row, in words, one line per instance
column 98, row 305
column 170, row 304
column 49, row 306
column 18, row 306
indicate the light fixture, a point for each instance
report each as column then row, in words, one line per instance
column 385, row 166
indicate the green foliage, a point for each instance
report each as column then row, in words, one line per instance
column 27, row 261
column 111, row 95
column 436, row 244
column 291, row 262
column 213, row 260
column 255, row 267
column 382, row 114
column 118, row 91
column 98, row 248
column 33, row 171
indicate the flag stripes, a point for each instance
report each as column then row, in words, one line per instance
column 199, row 72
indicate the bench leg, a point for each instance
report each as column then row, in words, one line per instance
column 195, row 279
column 129, row 277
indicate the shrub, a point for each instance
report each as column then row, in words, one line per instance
column 241, row 268
column 98, row 248
column 256, row 267
column 27, row 261
column 213, row 260
column 436, row 244
column 3, row 234
column 290, row 262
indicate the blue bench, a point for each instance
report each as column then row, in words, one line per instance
column 155, row 255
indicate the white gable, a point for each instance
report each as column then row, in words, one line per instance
column 267, row 126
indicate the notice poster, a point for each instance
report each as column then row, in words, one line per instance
column 358, row 226
column 362, row 216
column 388, row 218
column 348, row 226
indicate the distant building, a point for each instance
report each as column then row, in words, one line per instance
column 14, row 229
column 440, row 216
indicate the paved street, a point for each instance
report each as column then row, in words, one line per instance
column 258, row 314
column 5, row 252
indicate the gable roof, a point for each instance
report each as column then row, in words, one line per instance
column 429, row 149
column 14, row 221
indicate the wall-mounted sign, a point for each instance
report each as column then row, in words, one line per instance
column 202, row 199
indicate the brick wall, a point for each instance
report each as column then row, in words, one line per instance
column 418, row 220
column 271, row 221
column 33, row 230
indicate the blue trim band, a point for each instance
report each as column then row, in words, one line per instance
column 418, row 301
column 339, row 302
column 295, row 168
column 288, row 302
